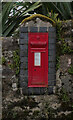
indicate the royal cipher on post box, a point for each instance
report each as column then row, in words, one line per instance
column 37, row 57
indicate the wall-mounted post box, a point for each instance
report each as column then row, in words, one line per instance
column 38, row 60
column 37, row 57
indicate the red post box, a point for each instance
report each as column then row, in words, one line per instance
column 38, row 59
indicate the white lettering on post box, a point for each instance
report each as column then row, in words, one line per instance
column 37, row 59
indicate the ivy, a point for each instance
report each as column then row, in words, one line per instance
column 16, row 62
column 64, row 96
column 57, row 62
column 70, row 70
column 65, row 48
column 3, row 60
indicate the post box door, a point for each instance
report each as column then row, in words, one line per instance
column 38, row 60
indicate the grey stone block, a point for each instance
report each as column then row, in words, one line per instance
column 52, row 32
column 24, row 66
column 23, row 29
column 43, row 90
column 24, row 36
column 52, row 40
column 52, row 29
column 22, row 72
column 23, row 79
column 52, row 71
column 25, row 90
column 26, row 79
column 30, row 91
column 23, row 59
column 21, row 36
column 23, row 41
column 50, row 90
column 24, row 47
column 24, row 63
column 51, row 59
column 22, row 84
column 52, row 77
column 40, row 91
column 52, row 35
column 24, row 53
column 26, row 73
column 52, row 64
column 35, row 90
column 43, row 29
column 51, row 83
column 33, row 29
column 21, row 76
column 52, row 52
column 52, row 46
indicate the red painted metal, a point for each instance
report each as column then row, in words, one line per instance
column 38, row 60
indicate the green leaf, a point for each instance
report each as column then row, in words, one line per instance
column 9, row 29
column 10, row 23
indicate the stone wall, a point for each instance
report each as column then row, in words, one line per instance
column 9, row 45
column 63, row 78
column 17, row 106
